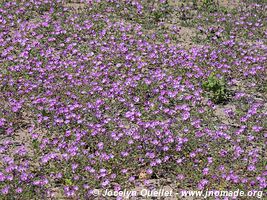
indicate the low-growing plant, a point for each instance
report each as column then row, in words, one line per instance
column 105, row 98
column 162, row 12
column 210, row 5
column 216, row 88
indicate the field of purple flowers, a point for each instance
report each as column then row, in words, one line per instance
column 108, row 94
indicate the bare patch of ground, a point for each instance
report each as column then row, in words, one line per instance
column 76, row 6
column 229, row 3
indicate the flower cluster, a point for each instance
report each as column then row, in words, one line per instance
column 91, row 95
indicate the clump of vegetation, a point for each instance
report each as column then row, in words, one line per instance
column 162, row 12
column 101, row 96
column 216, row 88
column 210, row 5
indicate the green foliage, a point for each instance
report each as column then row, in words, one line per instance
column 162, row 12
column 68, row 181
column 157, row 15
column 35, row 144
column 216, row 88
column 210, row 5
